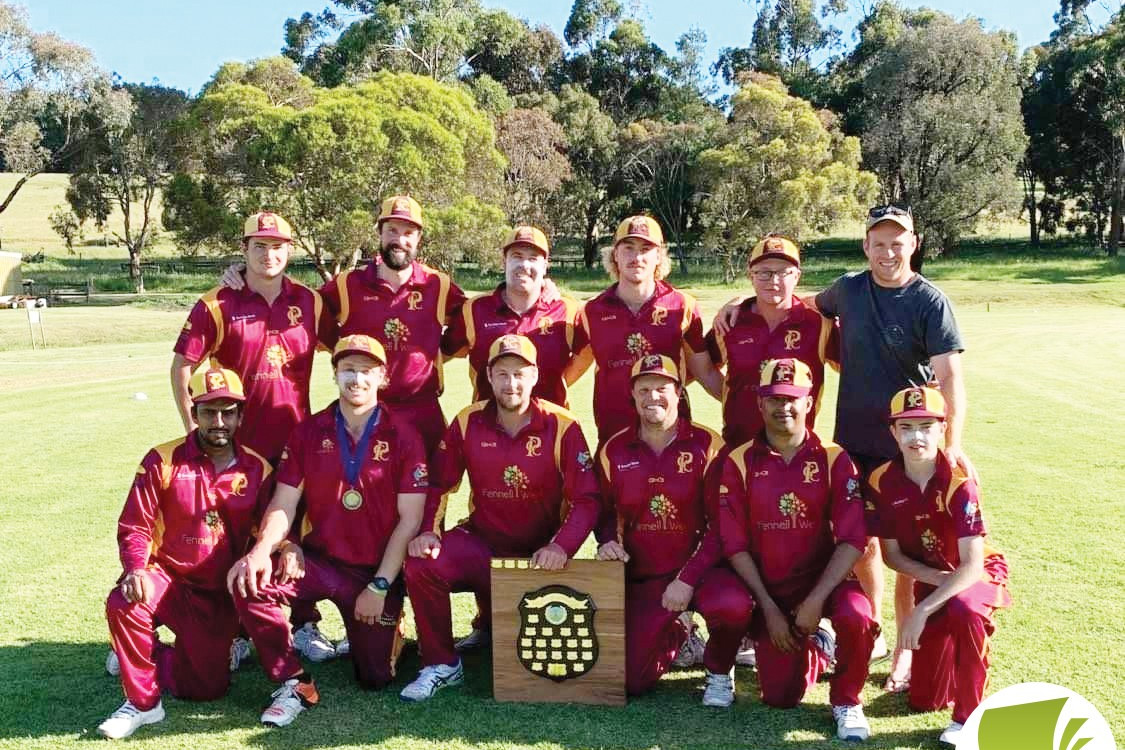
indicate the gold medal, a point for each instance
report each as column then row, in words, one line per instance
column 352, row 499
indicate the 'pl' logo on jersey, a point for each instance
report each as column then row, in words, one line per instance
column 414, row 300
column 238, row 484
column 792, row 340
column 294, row 316
column 545, row 326
column 812, row 472
column 684, row 462
column 380, row 451
column 534, row 443
column 659, row 315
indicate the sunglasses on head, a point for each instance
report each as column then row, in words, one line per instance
column 893, row 209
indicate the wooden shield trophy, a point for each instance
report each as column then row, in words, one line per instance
column 558, row 636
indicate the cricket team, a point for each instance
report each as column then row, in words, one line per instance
column 775, row 536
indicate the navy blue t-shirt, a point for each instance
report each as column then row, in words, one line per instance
column 887, row 338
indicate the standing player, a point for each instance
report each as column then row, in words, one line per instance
column 772, row 324
column 926, row 512
column 266, row 330
column 189, row 515
column 640, row 314
column 533, row 495
column 361, row 471
column 518, row 305
column 654, row 519
column 792, row 527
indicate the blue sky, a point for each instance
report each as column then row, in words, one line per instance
column 182, row 43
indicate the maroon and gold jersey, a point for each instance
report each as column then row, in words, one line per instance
column 525, row 491
column 187, row 517
column 804, row 334
column 395, row 463
column 790, row 516
column 654, row 505
column 613, row 337
column 549, row 325
column 270, row 347
column 408, row 323
column 925, row 523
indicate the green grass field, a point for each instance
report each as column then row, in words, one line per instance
column 1046, row 428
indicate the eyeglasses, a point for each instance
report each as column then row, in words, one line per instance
column 892, row 209
column 763, row 275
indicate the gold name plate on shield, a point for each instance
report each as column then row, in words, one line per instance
column 558, row 636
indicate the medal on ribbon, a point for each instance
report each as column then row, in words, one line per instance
column 351, row 460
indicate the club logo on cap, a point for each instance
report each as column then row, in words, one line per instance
column 653, row 362
column 524, row 234
column 783, row 373
column 639, row 226
column 509, row 344
column 402, row 206
column 774, row 245
column 215, row 381
column 914, row 398
column 267, row 221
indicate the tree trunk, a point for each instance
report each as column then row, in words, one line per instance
column 590, row 243
column 1115, row 207
column 135, row 273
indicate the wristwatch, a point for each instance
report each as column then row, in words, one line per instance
column 379, row 586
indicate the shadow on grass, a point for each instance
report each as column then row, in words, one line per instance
column 54, row 689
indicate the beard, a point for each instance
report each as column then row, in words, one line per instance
column 390, row 258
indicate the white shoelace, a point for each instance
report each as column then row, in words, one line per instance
column 127, row 711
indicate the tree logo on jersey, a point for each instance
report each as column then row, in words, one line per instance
column 396, row 332
column 545, row 326
column 661, row 507
column 515, row 478
column 557, row 639
column 811, row 471
column 327, row 446
column 637, row 345
column 238, row 484
column 792, row 340
column 929, row 540
column 277, row 356
column 659, row 315
column 534, row 443
column 380, row 450
column 414, row 300
column 684, row 462
column 791, row 505
column 213, row 520
column 294, row 316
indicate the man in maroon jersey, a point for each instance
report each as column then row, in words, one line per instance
column 640, row 314
column 926, row 512
column 533, row 495
column 518, row 305
column 652, row 478
column 772, row 324
column 361, row 471
column 188, row 516
column 792, row 527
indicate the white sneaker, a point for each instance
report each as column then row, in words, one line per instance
column 825, row 641
column 343, row 648
column 290, row 699
column 879, row 650
column 851, row 724
column 719, row 691
column 311, row 643
column 746, row 657
column 128, row 719
column 432, row 679
column 691, row 653
column 239, row 652
column 112, row 664
column 478, row 638
column 952, row 733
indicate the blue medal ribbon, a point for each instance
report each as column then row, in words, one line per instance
column 352, row 461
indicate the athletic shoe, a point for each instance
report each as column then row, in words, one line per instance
column 691, row 652
column 128, row 719
column 239, row 652
column 478, row 638
column 746, row 656
column 343, row 648
column 112, row 664
column 825, row 641
column 879, row 650
column 851, row 724
column 311, row 643
column 719, row 691
column 290, row 699
column 952, row 733
column 432, row 679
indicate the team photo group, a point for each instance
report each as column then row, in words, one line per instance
column 235, row 534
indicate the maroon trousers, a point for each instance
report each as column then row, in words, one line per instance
column 198, row 666
column 374, row 648
column 784, row 678
column 653, row 634
column 951, row 662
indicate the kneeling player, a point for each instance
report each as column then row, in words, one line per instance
column 533, row 494
column 361, row 472
column 792, row 526
column 926, row 512
column 190, row 512
column 654, row 519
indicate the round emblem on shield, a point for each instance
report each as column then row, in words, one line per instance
column 557, row 639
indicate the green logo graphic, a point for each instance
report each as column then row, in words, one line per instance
column 1029, row 726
